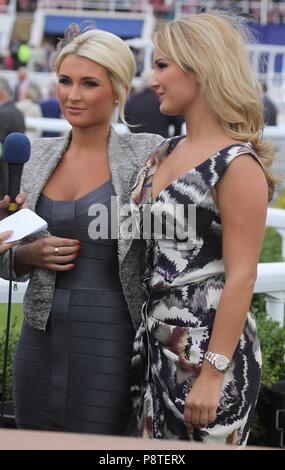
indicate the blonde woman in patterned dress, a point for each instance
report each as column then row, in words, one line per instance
column 197, row 359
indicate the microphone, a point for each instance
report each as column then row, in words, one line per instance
column 16, row 152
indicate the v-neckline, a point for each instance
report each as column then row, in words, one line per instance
column 188, row 172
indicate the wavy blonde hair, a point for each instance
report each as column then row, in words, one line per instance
column 213, row 46
column 106, row 49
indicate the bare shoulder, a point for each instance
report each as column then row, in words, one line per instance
column 244, row 180
column 246, row 165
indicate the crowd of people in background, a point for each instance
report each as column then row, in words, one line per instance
column 167, row 7
column 142, row 108
column 22, row 53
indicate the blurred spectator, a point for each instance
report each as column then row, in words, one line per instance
column 139, row 58
column 26, row 5
column 24, row 53
column 22, row 85
column 30, row 108
column 142, row 110
column 51, row 109
column 8, row 60
column 41, row 57
column 3, row 4
column 14, row 46
column 269, row 108
column 11, row 120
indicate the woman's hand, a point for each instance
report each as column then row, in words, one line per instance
column 21, row 199
column 5, row 246
column 53, row 253
column 202, row 401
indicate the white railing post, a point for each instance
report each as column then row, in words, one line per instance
column 282, row 234
column 271, row 282
column 275, row 304
column 276, row 219
column 264, row 7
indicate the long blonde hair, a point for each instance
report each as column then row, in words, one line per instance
column 106, row 49
column 213, row 46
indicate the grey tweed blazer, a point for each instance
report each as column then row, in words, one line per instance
column 126, row 154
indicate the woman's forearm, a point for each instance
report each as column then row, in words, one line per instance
column 231, row 316
column 22, row 260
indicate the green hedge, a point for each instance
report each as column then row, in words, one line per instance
column 14, row 336
column 16, row 323
column 272, row 340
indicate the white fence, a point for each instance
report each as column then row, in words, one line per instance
column 60, row 125
column 7, row 19
column 107, row 5
column 270, row 276
column 262, row 8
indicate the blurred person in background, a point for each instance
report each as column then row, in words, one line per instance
column 11, row 120
column 30, row 107
column 51, row 109
column 269, row 109
column 21, row 87
column 143, row 114
column 24, row 53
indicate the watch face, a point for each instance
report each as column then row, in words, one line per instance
column 221, row 363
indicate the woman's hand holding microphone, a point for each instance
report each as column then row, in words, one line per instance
column 21, row 200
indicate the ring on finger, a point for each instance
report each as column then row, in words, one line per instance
column 56, row 251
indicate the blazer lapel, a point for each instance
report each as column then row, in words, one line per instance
column 122, row 175
column 53, row 155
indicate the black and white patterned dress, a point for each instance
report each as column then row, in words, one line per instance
column 184, row 281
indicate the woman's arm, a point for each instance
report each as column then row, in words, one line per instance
column 242, row 198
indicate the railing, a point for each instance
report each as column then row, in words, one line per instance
column 276, row 219
column 108, row 8
column 270, row 276
column 271, row 282
column 60, row 125
column 7, row 17
column 107, row 5
column 264, row 59
column 259, row 9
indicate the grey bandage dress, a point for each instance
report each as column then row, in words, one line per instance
column 75, row 376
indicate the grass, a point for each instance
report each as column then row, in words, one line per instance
column 16, row 317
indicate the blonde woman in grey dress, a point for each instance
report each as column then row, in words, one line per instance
column 72, row 364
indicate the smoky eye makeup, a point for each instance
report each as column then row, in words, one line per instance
column 161, row 64
column 63, row 79
column 88, row 82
